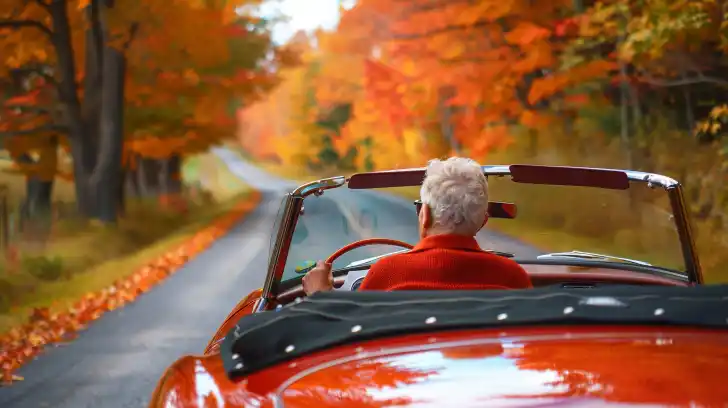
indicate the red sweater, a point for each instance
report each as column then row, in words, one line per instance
column 446, row 262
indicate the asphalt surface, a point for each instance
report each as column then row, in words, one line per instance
column 117, row 361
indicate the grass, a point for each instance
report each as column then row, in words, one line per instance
column 94, row 257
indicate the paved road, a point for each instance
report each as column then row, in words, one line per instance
column 118, row 359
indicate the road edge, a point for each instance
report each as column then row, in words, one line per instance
column 23, row 343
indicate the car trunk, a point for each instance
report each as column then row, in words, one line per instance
column 597, row 366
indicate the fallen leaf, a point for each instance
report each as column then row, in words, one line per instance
column 23, row 343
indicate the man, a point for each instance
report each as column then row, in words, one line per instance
column 454, row 207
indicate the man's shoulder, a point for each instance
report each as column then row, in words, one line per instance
column 393, row 258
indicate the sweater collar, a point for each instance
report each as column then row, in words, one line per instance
column 448, row 241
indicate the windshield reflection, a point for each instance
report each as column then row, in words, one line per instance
column 596, row 223
column 341, row 216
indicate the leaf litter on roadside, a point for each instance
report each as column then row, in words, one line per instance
column 47, row 326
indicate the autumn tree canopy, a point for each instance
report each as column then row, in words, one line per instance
column 419, row 79
column 110, row 81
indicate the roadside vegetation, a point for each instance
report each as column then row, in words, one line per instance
column 607, row 84
column 107, row 112
column 84, row 271
column 76, row 259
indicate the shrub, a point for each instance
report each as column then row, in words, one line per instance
column 6, row 292
column 44, row 268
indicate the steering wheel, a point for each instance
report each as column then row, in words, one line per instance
column 364, row 242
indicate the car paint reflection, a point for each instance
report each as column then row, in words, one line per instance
column 524, row 367
column 504, row 374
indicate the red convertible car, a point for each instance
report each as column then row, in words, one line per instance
column 596, row 330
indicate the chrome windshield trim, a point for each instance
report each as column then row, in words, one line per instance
column 319, row 186
column 292, row 210
column 590, row 255
column 372, row 259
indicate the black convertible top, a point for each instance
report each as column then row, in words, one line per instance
column 334, row 318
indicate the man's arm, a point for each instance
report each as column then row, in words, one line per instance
column 318, row 279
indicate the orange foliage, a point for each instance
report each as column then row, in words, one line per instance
column 651, row 372
column 351, row 384
column 53, row 326
column 180, row 82
column 451, row 72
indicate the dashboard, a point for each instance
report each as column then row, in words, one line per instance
column 565, row 274
column 353, row 280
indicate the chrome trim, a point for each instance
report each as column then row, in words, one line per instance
column 372, row 259
column 685, row 233
column 589, row 255
column 318, row 186
column 294, row 203
column 292, row 210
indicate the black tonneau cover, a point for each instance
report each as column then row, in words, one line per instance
column 334, row 318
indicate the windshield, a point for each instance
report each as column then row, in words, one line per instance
column 587, row 219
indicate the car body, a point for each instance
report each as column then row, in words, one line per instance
column 595, row 329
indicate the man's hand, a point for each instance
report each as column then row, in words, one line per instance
column 318, row 279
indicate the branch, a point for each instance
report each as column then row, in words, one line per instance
column 17, row 24
column 25, row 132
column 132, row 33
column 26, row 108
column 43, row 4
column 43, row 70
column 699, row 79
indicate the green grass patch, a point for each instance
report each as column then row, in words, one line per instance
column 81, row 259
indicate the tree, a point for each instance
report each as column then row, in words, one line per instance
column 97, row 41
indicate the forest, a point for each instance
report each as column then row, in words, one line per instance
column 123, row 93
column 616, row 83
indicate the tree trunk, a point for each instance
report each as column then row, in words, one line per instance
column 67, row 91
column 171, row 177
column 131, row 183
column 445, row 114
column 36, row 208
column 38, row 193
column 107, row 177
column 122, row 192
column 148, row 175
column 95, row 129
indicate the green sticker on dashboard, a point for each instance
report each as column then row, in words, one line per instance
column 305, row 266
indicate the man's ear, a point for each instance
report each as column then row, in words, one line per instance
column 485, row 221
column 425, row 216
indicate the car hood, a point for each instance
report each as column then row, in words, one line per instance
column 595, row 366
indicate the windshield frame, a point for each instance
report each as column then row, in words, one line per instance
column 412, row 177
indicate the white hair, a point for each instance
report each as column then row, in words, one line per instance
column 456, row 191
